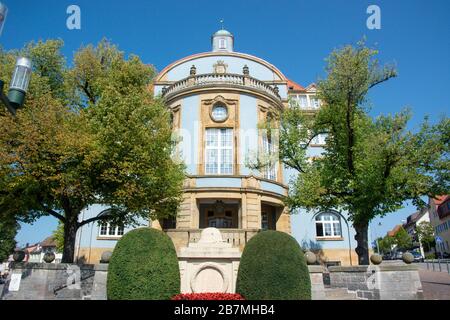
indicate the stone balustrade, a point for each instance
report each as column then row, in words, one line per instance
column 235, row 237
column 211, row 79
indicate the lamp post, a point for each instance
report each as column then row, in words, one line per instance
column 18, row 86
column 378, row 245
column 3, row 13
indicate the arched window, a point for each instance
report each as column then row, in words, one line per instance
column 328, row 225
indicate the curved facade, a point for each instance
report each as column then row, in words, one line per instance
column 218, row 100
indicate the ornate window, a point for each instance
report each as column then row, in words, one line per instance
column 219, row 113
column 269, row 171
column 219, row 151
column 109, row 230
column 328, row 225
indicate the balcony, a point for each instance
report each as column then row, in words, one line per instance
column 220, row 79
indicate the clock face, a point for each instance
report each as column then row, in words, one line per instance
column 219, row 113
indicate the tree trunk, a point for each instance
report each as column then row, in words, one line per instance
column 70, row 233
column 361, row 237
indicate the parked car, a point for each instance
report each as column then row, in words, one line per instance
column 387, row 256
column 397, row 255
column 417, row 256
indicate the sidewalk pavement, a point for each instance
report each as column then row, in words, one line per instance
column 435, row 285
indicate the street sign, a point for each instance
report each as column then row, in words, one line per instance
column 438, row 239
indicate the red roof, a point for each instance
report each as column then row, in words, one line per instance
column 294, row 86
column 394, row 231
column 48, row 242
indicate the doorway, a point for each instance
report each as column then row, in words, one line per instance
column 219, row 214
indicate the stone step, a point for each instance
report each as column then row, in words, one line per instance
column 339, row 294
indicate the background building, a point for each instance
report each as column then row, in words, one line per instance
column 218, row 99
column 410, row 226
column 439, row 214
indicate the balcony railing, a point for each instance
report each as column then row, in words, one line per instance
column 236, row 237
column 230, row 79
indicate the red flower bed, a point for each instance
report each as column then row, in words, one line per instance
column 208, row 296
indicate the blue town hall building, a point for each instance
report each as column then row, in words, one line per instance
column 217, row 99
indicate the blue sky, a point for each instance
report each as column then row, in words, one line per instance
column 295, row 36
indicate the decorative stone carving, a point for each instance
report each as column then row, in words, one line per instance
column 49, row 257
column 220, row 67
column 209, row 277
column 245, row 70
column 219, row 99
column 310, row 257
column 251, row 182
column 193, row 70
column 209, row 265
column 19, row 255
column 376, row 259
column 407, row 257
column 276, row 89
column 106, row 256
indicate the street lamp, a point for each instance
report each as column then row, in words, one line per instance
column 3, row 13
column 18, row 86
column 378, row 244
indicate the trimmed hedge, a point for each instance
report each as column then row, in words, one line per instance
column 273, row 267
column 143, row 266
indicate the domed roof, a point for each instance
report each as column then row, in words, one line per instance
column 222, row 32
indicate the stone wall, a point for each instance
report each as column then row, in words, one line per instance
column 382, row 282
column 42, row 281
column 317, row 286
column 57, row 281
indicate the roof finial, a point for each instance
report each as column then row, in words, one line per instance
column 221, row 23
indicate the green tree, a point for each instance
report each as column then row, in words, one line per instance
column 386, row 244
column 88, row 133
column 369, row 166
column 8, row 231
column 58, row 235
column 403, row 240
column 425, row 233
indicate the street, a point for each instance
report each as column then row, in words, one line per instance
column 435, row 285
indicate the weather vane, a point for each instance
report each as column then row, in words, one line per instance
column 221, row 23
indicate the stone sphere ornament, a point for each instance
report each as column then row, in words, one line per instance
column 376, row 259
column 49, row 257
column 18, row 256
column 407, row 257
column 310, row 257
column 106, row 256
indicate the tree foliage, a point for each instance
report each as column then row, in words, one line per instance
column 58, row 235
column 386, row 244
column 425, row 233
column 89, row 133
column 403, row 240
column 369, row 166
